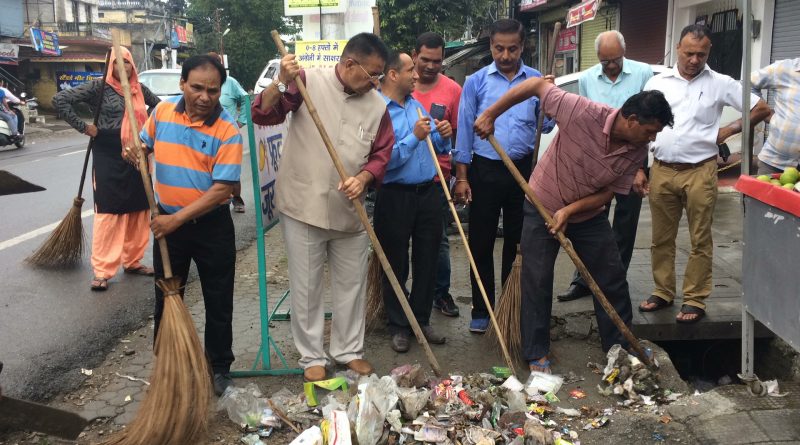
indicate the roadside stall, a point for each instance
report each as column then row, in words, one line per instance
column 771, row 241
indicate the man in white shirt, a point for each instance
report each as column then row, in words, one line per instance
column 684, row 172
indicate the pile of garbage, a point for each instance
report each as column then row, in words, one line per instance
column 408, row 407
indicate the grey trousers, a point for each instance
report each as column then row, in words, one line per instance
column 307, row 248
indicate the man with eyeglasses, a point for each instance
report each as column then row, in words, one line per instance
column 612, row 82
column 317, row 216
column 481, row 178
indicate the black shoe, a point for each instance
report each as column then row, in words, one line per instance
column 222, row 381
column 574, row 292
column 446, row 305
column 432, row 336
column 400, row 342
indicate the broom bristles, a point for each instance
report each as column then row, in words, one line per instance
column 64, row 246
column 175, row 408
column 508, row 312
column 375, row 310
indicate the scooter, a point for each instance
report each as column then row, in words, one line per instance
column 5, row 132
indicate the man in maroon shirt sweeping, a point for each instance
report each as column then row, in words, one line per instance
column 596, row 153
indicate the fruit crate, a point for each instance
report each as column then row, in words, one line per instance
column 769, row 258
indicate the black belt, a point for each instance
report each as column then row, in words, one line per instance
column 416, row 188
column 208, row 215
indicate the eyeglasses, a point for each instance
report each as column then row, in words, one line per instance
column 372, row 77
column 616, row 61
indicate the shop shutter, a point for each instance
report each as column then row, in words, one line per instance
column 644, row 25
column 606, row 20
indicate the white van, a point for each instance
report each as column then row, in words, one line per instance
column 270, row 72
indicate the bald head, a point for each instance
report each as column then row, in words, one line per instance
column 610, row 47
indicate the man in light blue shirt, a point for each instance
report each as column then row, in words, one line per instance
column 481, row 178
column 612, row 82
column 408, row 204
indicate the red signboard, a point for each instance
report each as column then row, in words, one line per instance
column 567, row 40
column 582, row 13
column 181, row 31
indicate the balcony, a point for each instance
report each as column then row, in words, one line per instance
column 73, row 29
column 148, row 5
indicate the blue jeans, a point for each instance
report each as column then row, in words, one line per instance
column 442, row 286
column 11, row 121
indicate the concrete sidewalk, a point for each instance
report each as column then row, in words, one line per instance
column 724, row 415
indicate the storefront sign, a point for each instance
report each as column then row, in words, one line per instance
column 582, row 13
column 567, row 40
column 9, row 51
column 319, row 53
column 70, row 79
column 189, row 33
column 530, row 4
column 45, row 42
column 303, row 7
column 181, row 31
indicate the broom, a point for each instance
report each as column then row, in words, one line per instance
column 467, row 249
column 175, row 409
column 362, row 215
column 64, row 246
column 509, row 309
column 375, row 310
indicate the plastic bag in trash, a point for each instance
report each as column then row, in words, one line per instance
column 539, row 382
column 408, row 376
column 243, row 405
column 311, row 436
column 252, row 439
column 412, row 401
column 376, row 398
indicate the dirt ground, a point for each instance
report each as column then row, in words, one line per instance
column 575, row 344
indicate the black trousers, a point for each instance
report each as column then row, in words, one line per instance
column 210, row 242
column 595, row 245
column 403, row 213
column 626, row 221
column 493, row 190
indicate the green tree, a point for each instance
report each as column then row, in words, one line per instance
column 403, row 20
column 248, row 45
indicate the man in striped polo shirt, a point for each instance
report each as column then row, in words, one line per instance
column 198, row 156
column 596, row 153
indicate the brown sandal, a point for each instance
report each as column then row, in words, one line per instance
column 99, row 284
column 141, row 270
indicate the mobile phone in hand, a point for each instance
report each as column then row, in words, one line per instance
column 437, row 111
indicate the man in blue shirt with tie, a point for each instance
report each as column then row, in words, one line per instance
column 481, row 178
column 612, row 82
column 408, row 205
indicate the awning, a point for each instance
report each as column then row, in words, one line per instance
column 478, row 48
column 70, row 57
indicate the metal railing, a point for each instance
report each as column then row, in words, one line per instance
column 78, row 29
column 149, row 5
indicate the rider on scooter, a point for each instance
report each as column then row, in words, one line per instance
column 7, row 115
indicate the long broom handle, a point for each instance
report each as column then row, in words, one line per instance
column 96, row 118
column 567, row 245
column 362, row 214
column 472, row 264
column 551, row 69
column 141, row 153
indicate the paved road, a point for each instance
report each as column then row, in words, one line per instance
column 51, row 324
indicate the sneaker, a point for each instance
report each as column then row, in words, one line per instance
column 479, row 325
column 221, row 382
column 446, row 305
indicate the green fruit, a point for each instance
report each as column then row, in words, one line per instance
column 788, row 186
column 790, row 175
column 764, row 178
column 775, row 182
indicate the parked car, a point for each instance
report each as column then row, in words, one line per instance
column 163, row 82
column 569, row 83
column 269, row 72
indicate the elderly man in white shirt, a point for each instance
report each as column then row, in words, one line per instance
column 684, row 172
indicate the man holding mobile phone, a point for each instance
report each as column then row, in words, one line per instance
column 439, row 95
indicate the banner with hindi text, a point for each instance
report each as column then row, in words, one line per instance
column 319, row 53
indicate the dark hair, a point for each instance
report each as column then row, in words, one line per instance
column 392, row 62
column 366, row 44
column 507, row 26
column 430, row 40
column 194, row 62
column 696, row 30
column 649, row 106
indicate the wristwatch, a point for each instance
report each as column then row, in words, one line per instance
column 281, row 86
